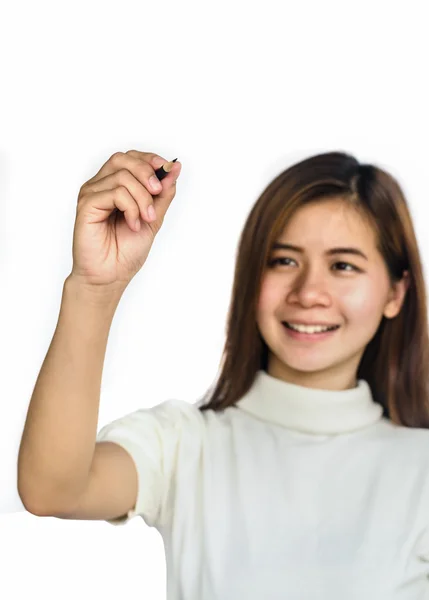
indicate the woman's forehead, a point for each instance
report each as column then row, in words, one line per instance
column 325, row 220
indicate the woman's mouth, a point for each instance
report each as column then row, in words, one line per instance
column 306, row 336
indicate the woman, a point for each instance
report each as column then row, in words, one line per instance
column 303, row 473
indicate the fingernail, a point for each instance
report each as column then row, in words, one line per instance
column 155, row 183
column 151, row 212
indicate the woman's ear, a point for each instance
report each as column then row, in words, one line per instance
column 397, row 296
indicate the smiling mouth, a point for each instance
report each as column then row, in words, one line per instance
column 333, row 328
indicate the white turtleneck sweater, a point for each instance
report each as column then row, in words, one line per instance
column 296, row 494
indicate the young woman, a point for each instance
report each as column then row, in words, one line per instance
column 304, row 472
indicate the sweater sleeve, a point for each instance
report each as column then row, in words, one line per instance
column 153, row 438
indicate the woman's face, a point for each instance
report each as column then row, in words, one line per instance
column 313, row 286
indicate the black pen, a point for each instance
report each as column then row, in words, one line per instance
column 165, row 169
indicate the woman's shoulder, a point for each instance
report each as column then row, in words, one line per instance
column 403, row 437
column 172, row 412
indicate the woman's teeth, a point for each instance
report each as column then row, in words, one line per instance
column 310, row 329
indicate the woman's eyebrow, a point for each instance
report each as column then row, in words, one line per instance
column 356, row 251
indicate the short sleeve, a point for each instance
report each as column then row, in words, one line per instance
column 153, row 438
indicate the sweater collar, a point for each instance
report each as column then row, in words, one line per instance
column 310, row 410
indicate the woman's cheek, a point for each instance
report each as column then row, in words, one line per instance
column 364, row 303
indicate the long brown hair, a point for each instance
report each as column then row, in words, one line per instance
column 395, row 362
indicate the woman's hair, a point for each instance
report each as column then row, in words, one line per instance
column 395, row 362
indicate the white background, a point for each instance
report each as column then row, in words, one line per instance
column 238, row 91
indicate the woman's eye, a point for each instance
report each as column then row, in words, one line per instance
column 348, row 264
column 275, row 261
